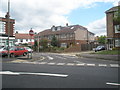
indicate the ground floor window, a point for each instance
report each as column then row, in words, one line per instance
column 117, row 42
column 64, row 45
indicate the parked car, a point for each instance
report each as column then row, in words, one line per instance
column 99, row 48
column 3, row 52
column 16, row 51
column 2, row 48
column 29, row 49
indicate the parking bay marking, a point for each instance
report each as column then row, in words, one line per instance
column 28, row 73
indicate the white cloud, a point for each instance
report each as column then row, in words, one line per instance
column 98, row 27
column 42, row 14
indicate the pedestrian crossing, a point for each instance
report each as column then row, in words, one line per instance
column 72, row 64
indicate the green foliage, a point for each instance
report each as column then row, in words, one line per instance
column 102, row 39
column 44, row 43
column 57, row 49
column 54, row 42
column 35, row 45
column 108, row 52
column 116, row 19
column 116, row 48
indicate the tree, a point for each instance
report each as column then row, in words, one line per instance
column 102, row 39
column 116, row 18
column 35, row 45
column 44, row 43
column 54, row 42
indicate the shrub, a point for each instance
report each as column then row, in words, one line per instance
column 116, row 48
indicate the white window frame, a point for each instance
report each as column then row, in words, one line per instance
column 116, row 27
column 117, row 42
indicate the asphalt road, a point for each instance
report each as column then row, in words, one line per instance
column 60, row 71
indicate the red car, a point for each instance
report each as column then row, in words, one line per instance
column 16, row 51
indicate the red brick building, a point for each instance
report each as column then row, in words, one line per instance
column 12, row 22
column 4, row 31
column 113, row 28
column 67, row 35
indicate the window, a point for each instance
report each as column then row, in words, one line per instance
column 26, row 39
column 16, row 40
column 115, row 14
column 2, row 28
column 64, row 45
column 21, row 49
column 71, row 35
column 117, row 28
column 117, row 43
column 63, row 35
column 21, row 40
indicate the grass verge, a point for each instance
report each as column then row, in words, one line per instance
column 108, row 52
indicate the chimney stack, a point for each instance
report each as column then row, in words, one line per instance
column 67, row 24
column 16, row 32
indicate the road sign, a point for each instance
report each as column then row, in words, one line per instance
column 31, row 32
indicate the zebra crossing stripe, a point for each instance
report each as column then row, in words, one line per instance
column 114, row 65
column 80, row 64
column 70, row 64
column 102, row 65
column 60, row 64
column 51, row 63
column 42, row 63
column 90, row 64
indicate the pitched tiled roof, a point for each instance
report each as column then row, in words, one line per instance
column 23, row 36
column 67, row 29
column 113, row 9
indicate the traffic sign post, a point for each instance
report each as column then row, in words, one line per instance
column 31, row 33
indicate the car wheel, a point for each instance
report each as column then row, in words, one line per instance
column 12, row 55
column 25, row 53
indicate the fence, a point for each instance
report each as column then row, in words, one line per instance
column 86, row 47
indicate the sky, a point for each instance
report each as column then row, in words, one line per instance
column 43, row 14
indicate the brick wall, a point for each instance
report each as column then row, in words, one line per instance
column 110, row 28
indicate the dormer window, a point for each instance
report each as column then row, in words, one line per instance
column 53, row 28
column 58, row 28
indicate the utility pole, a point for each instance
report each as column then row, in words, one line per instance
column 8, row 21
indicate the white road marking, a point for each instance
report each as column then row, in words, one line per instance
column 60, row 57
column 114, row 65
column 102, row 65
column 116, row 84
column 27, row 73
column 42, row 63
column 82, row 64
column 50, row 58
column 70, row 64
column 9, row 73
column 60, row 64
column 90, row 64
column 51, row 63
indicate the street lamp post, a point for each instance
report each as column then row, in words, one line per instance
column 8, row 28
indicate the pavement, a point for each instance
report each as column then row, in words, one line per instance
column 88, row 54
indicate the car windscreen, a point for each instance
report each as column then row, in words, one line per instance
column 12, row 49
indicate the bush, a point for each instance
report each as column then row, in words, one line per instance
column 116, row 48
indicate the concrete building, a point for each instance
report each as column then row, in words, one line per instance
column 113, row 27
column 67, row 35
